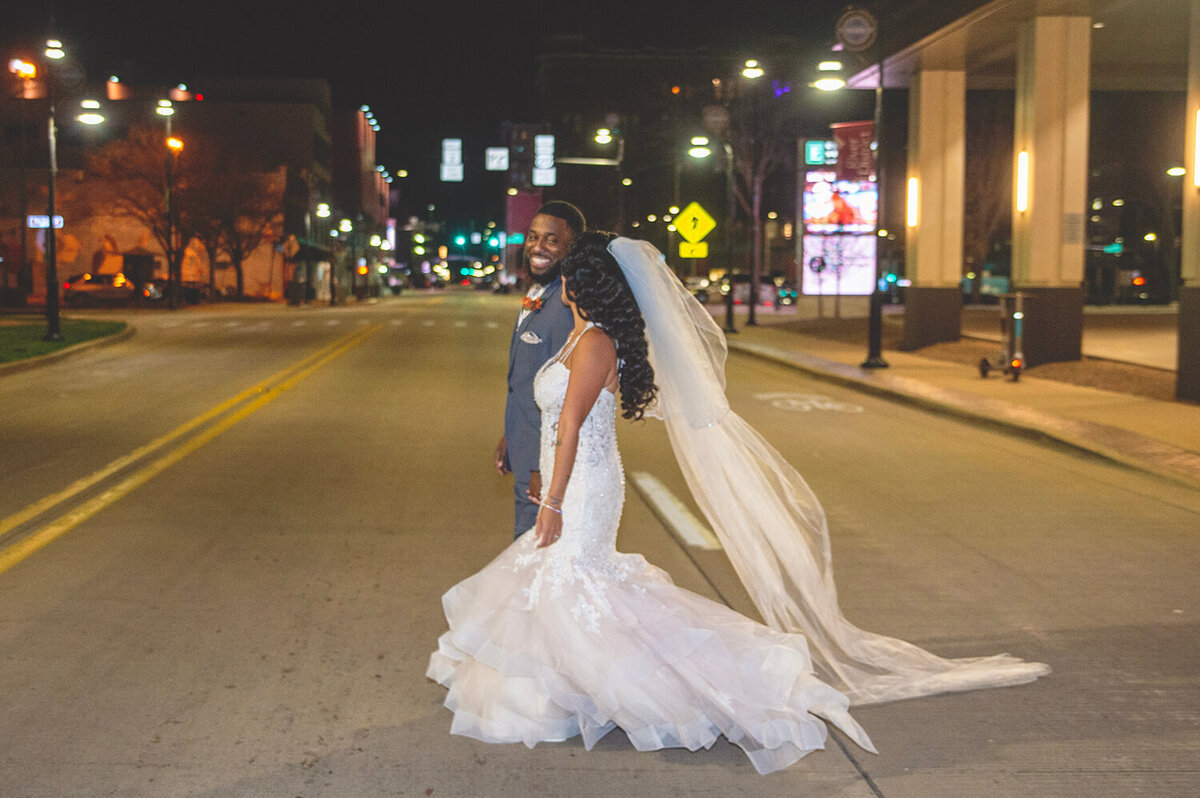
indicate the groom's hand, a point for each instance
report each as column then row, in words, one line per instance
column 535, row 486
column 501, row 456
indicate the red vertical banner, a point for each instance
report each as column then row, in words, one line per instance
column 856, row 159
column 520, row 208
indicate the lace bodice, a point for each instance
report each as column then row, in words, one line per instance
column 592, row 502
column 596, row 490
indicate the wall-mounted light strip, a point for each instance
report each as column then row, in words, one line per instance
column 1196, row 154
column 913, row 189
column 1022, row 181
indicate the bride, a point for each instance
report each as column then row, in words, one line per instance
column 561, row 635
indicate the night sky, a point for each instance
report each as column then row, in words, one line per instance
column 428, row 70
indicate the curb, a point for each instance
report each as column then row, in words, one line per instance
column 1111, row 443
column 53, row 357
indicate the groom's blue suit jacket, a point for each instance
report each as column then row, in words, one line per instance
column 534, row 341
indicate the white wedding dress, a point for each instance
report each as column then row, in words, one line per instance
column 577, row 638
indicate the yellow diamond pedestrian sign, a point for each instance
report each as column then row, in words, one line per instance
column 694, row 223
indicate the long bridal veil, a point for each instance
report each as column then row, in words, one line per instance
column 768, row 520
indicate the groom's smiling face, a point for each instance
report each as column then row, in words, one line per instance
column 547, row 242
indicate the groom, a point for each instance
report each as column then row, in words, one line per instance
column 541, row 330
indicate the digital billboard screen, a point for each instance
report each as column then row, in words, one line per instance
column 833, row 206
column 838, row 264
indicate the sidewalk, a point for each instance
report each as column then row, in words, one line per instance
column 1161, row 437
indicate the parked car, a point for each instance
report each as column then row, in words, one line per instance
column 92, row 290
column 699, row 288
column 741, row 289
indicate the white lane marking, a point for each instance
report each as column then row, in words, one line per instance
column 363, row 322
column 299, row 323
column 806, row 402
column 674, row 513
column 427, row 323
column 491, row 325
column 460, row 324
column 233, row 324
column 196, row 324
column 333, row 322
column 396, row 322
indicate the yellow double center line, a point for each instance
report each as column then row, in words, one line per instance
column 250, row 400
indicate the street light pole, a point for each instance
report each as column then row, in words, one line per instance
column 53, row 322
column 857, row 31
column 54, row 52
column 732, row 201
column 174, row 264
column 875, row 322
column 754, row 72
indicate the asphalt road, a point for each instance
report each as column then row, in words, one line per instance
column 223, row 543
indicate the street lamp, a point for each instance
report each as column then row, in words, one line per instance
column 857, row 31
column 718, row 117
column 699, row 148
column 831, row 78
column 54, row 51
column 174, row 261
column 753, row 72
column 1174, row 267
column 166, row 109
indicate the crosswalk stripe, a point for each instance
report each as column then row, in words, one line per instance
column 674, row 514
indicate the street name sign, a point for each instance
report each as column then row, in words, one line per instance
column 42, row 221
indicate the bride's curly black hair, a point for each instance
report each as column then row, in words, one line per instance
column 594, row 282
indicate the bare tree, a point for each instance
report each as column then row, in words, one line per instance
column 762, row 133
column 132, row 176
column 224, row 197
column 250, row 214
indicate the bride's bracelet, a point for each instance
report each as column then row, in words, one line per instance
column 550, row 507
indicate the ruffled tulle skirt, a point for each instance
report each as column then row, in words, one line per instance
column 548, row 644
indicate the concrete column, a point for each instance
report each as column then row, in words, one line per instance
column 936, row 156
column 1187, row 384
column 1050, row 161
